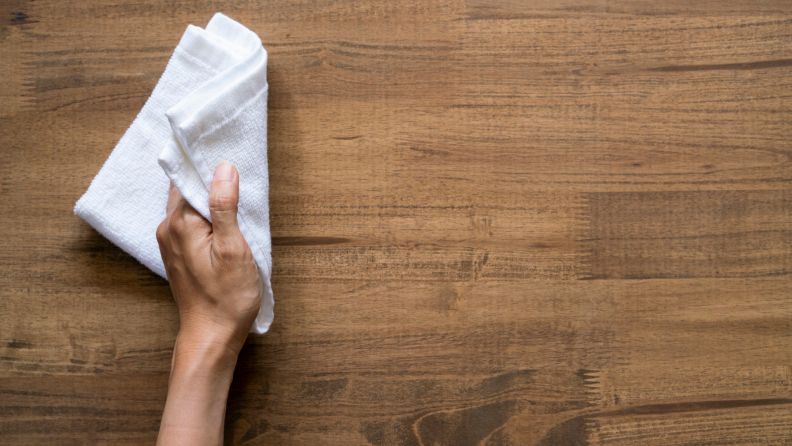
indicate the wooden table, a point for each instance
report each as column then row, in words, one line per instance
column 512, row 222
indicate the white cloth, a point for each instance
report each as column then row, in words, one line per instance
column 209, row 105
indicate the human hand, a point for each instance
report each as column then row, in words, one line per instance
column 210, row 267
column 215, row 285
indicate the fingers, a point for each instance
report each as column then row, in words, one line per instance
column 164, row 228
column 174, row 197
column 182, row 221
column 223, row 201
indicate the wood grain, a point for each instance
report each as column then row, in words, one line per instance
column 494, row 222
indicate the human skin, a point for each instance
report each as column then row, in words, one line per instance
column 215, row 285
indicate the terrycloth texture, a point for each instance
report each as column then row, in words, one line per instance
column 209, row 105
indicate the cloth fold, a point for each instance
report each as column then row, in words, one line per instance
column 210, row 105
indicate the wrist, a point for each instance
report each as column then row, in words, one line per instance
column 196, row 330
column 204, row 353
column 201, row 375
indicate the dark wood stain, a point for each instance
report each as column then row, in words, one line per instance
column 759, row 65
column 694, row 406
column 466, row 427
column 572, row 432
column 429, row 151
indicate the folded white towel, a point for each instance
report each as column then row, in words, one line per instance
column 209, row 105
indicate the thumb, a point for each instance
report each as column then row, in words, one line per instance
column 223, row 200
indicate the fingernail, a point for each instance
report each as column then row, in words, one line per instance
column 224, row 171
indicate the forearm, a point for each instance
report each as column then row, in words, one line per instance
column 215, row 283
column 201, row 374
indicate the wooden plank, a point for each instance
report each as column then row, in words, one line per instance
column 507, row 408
column 439, row 328
column 100, row 409
column 691, row 234
column 734, row 422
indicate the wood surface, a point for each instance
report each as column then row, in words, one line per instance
column 517, row 222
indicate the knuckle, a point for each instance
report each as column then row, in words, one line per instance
column 162, row 232
column 176, row 225
column 220, row 202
